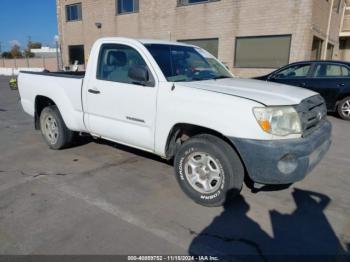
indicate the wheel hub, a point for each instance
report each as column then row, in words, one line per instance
column 50, row 129
column 346, row 108
column 203, row 172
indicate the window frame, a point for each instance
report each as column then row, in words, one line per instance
column 81, row 12
column 327, row 64
column 170, row 49
column 181, row 3
column 259, row 37
column 310, row 74
column 127, row 13
column 152, row 80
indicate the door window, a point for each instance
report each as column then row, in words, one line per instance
column 115, row 62
column 295, row 71
column 332, row 71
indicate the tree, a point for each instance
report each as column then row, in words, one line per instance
column 28, row 53
column 6, row 55
column 34, row 45
column 31, row 45
column 16, row 51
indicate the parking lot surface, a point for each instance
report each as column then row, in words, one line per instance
column 103, row 198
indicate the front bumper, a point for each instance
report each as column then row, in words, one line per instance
column 284, row 161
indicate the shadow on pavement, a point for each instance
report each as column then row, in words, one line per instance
column 304, row 232
column 84, row 140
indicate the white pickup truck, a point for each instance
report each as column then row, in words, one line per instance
column 179, row 102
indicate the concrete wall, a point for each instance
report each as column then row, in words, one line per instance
column 225, row 19
column 15, row 71
column 45, row 63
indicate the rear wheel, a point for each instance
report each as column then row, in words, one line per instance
column 344, row 108
column 54, row 130
column 208, row 170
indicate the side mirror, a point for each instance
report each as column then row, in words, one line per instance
column 139, row 74
column 13, row 84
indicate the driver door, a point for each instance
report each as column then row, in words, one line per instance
column 118, row 108
column 296, row 75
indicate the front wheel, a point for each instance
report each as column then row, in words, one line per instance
column 54, row 130
column 209, row 170
column 344, row 108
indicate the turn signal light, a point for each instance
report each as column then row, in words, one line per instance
column 265, row 125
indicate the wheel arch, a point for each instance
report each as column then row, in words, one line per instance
column 181, row 132
column 41, row 102
column 341, row 97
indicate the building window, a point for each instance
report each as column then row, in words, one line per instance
column 211, row 45
column 316, row 51
column 262, row 51
column 330, row 50
column 343, row 43
column 127, row 6
column 73, row 12
column 192, row 2
column 76, row 53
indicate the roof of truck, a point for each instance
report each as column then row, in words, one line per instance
column 146, row 41
column 161, row 42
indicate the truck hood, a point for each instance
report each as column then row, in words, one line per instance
column 267, row 93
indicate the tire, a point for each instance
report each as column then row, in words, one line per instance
column 344, row 108
column 54, row 130
column 209, row 170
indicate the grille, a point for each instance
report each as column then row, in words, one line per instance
column 312, row 112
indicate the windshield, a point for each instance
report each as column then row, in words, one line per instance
column 186, row 63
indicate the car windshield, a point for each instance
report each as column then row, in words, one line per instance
column 186, row 63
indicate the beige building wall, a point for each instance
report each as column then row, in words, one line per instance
column 344, row 51
column 320, row 19
column 225, row 19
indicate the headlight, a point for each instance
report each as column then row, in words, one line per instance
column 279, row 121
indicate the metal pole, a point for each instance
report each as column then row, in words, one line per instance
column 325, row 49
column 57, row 57
column 61, row 58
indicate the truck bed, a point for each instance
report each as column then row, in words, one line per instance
column 79, row 75
column 63, row 88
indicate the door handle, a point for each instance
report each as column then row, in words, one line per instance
column 94, row 91
column 341, row 84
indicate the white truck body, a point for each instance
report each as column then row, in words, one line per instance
column 144, row 117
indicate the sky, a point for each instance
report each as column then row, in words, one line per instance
column 20, row 19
